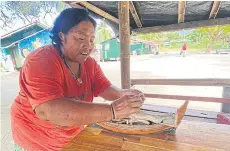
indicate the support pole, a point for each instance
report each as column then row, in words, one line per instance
column 225, row 107
column 124, row 29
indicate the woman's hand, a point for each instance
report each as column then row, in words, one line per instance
column 126, row 105
column 134, row 92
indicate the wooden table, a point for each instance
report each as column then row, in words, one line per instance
column 189, row 136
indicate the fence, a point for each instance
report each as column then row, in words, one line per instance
column 225, row 83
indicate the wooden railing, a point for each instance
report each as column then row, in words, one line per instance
column 225, row 83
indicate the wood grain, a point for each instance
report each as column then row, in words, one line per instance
column 190, row 136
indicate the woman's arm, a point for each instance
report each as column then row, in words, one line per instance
column 69, row 112
column 112, row 93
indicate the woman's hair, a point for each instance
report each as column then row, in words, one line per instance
column 67, row 19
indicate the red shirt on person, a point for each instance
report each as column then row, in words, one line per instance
column 184, row 47
column 44, row 77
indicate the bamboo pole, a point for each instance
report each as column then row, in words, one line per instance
column 124, row 29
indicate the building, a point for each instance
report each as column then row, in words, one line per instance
column 17, row 44
column 111, row 48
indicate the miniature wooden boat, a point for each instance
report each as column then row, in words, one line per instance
column 146, row 123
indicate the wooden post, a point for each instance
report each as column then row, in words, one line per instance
column 124, row 29
column 226, row 106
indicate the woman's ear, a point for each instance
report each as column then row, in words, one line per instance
column 62, row 37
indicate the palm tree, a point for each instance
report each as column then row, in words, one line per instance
column 103, row 32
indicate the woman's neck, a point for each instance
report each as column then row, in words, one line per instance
column 74, row 66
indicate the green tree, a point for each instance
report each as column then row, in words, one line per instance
column 14, row 12
column 103, row 33
column 195, row 36
column 214, row 34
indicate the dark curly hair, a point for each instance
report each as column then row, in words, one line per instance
column 67, row 19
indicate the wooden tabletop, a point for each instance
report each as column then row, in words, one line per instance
column 189, row 136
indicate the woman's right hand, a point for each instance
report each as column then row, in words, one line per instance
column 126, row 105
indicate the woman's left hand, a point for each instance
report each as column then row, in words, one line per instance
column 133, row 92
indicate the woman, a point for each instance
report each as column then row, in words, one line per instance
column 183, row 49
column 58, row 84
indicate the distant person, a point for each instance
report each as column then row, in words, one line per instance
column 183, row 50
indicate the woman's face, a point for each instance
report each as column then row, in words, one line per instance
column 78, row 43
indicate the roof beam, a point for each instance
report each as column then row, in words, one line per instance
column 134, row 14
column 75, row 5
column 181, row 11
column 186, row 25
column 95, row 10
column 215, row 9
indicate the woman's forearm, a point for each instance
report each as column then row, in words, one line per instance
column 112, row 93
column 69, row 112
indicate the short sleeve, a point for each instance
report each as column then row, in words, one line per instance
column 41, row 79
column 100, row 81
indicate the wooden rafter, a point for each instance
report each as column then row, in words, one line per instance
column 75, row 5
column 215, row 9
column 95, row 10
column 186, row 25
column 134, row 14
column 181, row 11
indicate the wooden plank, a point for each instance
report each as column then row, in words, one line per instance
column 91, row 131
column 215, row 9
column 189, row 112
column 181, row 11
column 134, row 14
column 131, row 138
column 186, row 25
column 194, row 136
column 88, row 146
column 74, row 4
column 101, row 141
column 182, row 82
column 188, row 98
column 203, row 134
column 172, row 145
column 226, row 94
column 198, row 133
column 130, row 146
column 124, row 29
column 95, row 10
column 99, row 11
